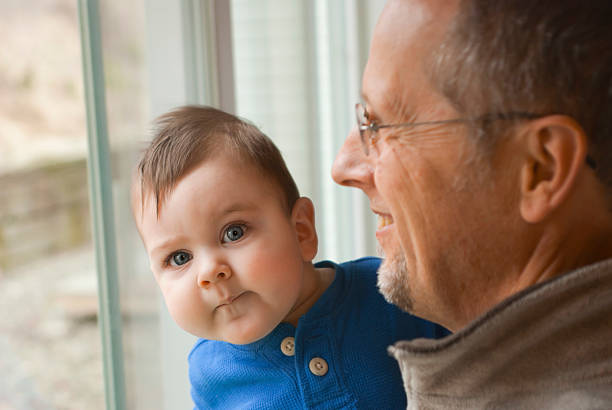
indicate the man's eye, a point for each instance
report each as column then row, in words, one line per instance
column 233, row 233
column 179, row 258
column 367, row 118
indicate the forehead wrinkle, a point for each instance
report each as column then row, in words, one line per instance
column 379, row 101
column 387, row 105
column 431, row 106
column 382, row 103
column 400, row 109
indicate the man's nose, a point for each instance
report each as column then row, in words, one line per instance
column 351, row 166
column 213, row 273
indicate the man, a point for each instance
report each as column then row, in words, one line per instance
column 484, row 144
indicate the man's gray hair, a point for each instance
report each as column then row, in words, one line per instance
column 542, row 57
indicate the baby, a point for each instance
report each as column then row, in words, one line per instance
column 231, row 245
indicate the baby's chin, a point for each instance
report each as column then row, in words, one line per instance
column 244, row 340
column 243, row 337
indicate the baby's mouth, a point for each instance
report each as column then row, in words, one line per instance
column 229, row 300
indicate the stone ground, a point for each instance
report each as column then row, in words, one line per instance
column 50, row 353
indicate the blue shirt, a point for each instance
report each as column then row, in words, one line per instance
column 345, row 335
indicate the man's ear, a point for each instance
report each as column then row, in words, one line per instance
column 556, row 149
column 303, row 219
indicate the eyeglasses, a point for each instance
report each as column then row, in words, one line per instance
column 368, row 129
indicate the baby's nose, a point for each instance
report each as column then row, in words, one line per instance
column 214, row 274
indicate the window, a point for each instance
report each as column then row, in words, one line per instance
column 293, row 68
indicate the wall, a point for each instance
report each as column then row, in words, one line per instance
column 43, row 210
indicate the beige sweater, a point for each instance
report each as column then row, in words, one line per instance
column 548, row 347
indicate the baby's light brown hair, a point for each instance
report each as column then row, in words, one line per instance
column 189, row 135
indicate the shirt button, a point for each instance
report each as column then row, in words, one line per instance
column 288, row 346
column 318, row 366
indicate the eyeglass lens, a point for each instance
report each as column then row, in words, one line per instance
column 363, row 127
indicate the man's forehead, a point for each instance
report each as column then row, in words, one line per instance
column 420, row 9
column 414, row 24
column 405, row 35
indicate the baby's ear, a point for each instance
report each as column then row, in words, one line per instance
column 303, row 219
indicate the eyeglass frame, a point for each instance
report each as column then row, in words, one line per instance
column 372, row 127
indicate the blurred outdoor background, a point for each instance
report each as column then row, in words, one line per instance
column 50, row 356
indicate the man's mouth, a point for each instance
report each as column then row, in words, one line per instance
column 384, row 221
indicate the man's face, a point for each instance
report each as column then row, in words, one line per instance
column 224, row 252
column 422, row 182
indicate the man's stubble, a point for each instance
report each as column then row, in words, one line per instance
column 393, row 281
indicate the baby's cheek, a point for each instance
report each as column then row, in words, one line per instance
column 185, row 307
column 277, row 261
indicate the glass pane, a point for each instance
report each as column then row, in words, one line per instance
column 124, row 54
column 273, row 84
column 145, row 52
column 50, row 354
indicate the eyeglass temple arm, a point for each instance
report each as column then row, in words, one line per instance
column 487, row 117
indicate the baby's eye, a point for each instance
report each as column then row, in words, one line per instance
column 233, row 233
column 179, row 258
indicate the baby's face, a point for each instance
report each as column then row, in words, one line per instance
column 225, row 253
